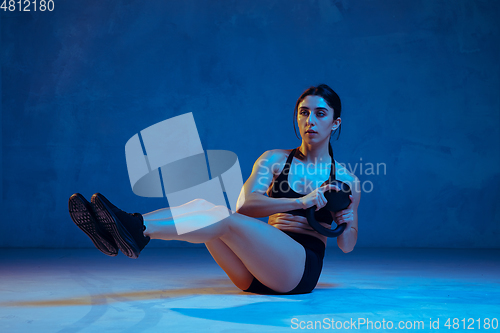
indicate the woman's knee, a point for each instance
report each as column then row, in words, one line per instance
column 202, row 204
column 222, row 212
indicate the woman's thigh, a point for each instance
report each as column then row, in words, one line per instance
column 230, row 263
column 269, row 254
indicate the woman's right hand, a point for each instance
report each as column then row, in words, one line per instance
column 317, row 197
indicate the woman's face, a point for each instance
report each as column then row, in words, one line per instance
column 314, row 114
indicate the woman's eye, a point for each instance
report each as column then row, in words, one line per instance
column 321, row 114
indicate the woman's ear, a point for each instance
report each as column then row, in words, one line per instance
column 336, row 123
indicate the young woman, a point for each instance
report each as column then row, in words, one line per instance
column 284, row 256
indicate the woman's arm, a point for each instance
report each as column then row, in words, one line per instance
column 252, row 200
column 347, row 240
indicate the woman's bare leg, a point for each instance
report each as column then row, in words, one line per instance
column 195, row 205
column 230, row 263
column 271, row 256
column 222, row 254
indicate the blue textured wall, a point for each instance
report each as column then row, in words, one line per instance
column 419, row 82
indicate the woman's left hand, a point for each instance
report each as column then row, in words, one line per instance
column 345, row 216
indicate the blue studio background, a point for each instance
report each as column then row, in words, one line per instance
column 419, row 82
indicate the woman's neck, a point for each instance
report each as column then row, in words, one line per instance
column 317, row 154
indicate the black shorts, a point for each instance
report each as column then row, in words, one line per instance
column 315, row 252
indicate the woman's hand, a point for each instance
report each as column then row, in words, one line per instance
column 345, row 216
column 317, row 197
column 285, row 221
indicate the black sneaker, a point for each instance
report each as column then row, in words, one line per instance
column 82, row 214
column 127, row 229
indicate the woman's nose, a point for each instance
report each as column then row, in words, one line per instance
column 311, row 119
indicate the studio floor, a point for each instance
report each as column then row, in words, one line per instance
column 183, row 290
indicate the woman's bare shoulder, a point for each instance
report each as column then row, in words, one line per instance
column 276, row 158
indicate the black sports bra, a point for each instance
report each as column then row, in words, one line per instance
column 281, row 189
